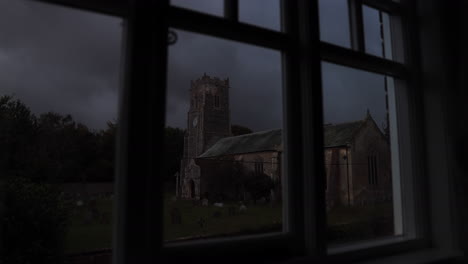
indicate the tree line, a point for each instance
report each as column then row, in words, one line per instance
column 54, row 148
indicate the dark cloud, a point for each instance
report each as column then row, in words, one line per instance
column 254, row 74
column 68, row 61
column 372, row 31
column 348, row 94
column 263, row 13
column 60, row 59
column 334, row 22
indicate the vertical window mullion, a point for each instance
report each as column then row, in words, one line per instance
column 139, row 214
column 231, row 10
column 312, row 130
column 356, row 25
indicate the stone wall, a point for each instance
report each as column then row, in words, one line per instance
column 371, row 142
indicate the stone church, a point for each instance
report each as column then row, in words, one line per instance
column 357, row 154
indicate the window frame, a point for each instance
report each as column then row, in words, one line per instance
column 138, row 226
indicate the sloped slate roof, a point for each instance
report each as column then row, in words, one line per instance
column 341, row 134
column 271, row 140
column 254, row 142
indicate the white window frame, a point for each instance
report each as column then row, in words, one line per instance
column 138, row 225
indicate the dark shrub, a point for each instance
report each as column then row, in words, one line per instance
column 259, row 185
column 34, row 223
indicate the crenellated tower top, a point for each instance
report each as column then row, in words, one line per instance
column 206, row 79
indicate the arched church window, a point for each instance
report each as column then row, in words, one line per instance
column 258, row 166
column 372, row 170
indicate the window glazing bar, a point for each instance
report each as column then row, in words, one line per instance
column 108, row 7
column 384, row 5
column 356, row 26
column 218, row 27
column 338, row 55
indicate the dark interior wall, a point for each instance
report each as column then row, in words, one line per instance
column 455, row 30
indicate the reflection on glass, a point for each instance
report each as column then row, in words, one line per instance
column 359, row 142
column 223, row 139
column 58, row 110
column 262, row 13
column 334, row 22
column 212, row 7
column 377, row 32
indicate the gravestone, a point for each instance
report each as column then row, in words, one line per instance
column 242, row 208
column 218, row 205
column 205, row 202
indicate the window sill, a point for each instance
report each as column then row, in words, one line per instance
column 419, row 257
column 365, row 245
column 425, row 256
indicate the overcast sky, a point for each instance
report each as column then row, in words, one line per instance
column 68, row 61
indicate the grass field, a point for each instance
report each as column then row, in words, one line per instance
column 206, row 221
column 198, row 221
column 94, row 234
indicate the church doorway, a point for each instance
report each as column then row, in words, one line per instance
column 192, row 189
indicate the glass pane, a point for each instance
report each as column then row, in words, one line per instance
column 334, row 22
column 58, row 116
column 263, row 13
column 212, row 7
column 224, row 139
column 377, row 35
column 361, row 154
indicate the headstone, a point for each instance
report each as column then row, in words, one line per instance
column 218, row 204
column 205, row 202
column 261, row 201
column 201, row 222
column 242, row 208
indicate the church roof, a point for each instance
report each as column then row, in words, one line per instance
column 341, row 134
column 271, row 140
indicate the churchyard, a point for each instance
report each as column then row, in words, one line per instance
column 91, row 223
column 186, row 219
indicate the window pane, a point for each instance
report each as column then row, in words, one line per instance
column 361, row 154
column 223, row 156
column 58, row 117
column 377, row 34
column 263, row 13
column 334, row 22
column 212, row 7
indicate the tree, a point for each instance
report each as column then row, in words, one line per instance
column 17, row 137
column 259, row 185
column 238, row 130
column 173, row 152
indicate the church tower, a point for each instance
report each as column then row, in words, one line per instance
column 208, row 120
